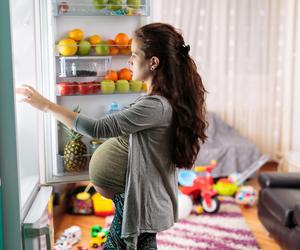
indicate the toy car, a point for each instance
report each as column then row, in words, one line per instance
column 69, row 237
column 99, row 236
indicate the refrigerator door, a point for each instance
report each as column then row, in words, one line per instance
column 37, row 228
column 25, row 62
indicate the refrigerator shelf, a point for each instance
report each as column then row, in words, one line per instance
column 61, row 169
column 97, row 8
column 101, row 50
column 96, row 88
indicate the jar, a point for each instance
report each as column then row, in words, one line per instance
column 94, row 144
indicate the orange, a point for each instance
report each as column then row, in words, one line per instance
column 125, row 51
column 129, row 44
column 113, row 49
column 125, row 74
column 67, row 47
column 95, row 39
column 111, row 75
column 122, row 40
column 76, row 34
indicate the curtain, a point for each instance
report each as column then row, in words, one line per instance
column 245, row 51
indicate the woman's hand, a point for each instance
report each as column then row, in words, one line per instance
column 33, row 97
column 36, row 100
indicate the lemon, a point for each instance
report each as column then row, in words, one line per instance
column 76, row 34
column 67, row 47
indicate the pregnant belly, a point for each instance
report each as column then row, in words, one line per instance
column 108, row 164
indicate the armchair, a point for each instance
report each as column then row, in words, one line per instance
column 279, row 207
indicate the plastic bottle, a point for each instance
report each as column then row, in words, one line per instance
column 114, row 106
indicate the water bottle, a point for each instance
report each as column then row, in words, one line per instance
column 114, row 106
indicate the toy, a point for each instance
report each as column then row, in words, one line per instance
column 81, row 206
column 201, row 186
column 239, row 179
column 246, row 195
column 185, row 205
column 69, row 237
column 102, row 206
column 85, row 195
column 199, row 209
column 225, row 186
column 99, row 236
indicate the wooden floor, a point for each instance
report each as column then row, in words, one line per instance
column 250, row 215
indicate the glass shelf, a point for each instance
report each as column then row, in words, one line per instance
column 88, row 66
column 98, row 50
column 94, row 88
column 62, row 171
column 97, row 8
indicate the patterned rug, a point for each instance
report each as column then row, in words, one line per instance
column 225, row 230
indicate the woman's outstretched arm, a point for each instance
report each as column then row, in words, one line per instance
column 35, row 99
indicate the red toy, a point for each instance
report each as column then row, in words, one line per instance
column 203, row 187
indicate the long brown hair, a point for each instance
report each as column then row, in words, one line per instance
column 176, row 79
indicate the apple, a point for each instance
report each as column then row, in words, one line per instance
column 63, row 7
column 107, row 86
column 84, row 48
column 66, row 88
column 122, row 86
column 102, row 49
column 135, row 4
column 115, row 4
column 85, row 88
column 135, row 86
column 95, row 87
column 100, row 4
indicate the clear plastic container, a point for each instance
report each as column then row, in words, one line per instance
column 88, row 66
column 97, row 8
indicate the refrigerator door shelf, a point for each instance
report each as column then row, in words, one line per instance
column 97, row 8
column 39, row 222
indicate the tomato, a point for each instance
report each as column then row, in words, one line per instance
column 67, row 88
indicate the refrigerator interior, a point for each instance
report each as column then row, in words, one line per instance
column 93, row 105
column 60, row 70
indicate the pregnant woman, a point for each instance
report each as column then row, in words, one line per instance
column 160, row 132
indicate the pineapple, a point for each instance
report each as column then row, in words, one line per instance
column 75, row 151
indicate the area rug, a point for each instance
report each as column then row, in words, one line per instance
column 225, row 230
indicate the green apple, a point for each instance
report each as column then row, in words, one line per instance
column 122, row 86
column 135, row 85
column 102, row 49
column 135, row 4
column 107, row 86
column 84, row 48
column 100, row 4
column 115, row 4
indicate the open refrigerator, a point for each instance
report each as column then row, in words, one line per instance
column 37, row 27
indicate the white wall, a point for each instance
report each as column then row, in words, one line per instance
column 296, row 106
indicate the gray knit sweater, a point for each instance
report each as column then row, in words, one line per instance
column 151, row 179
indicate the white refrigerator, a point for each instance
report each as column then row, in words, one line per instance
column 33, row 142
